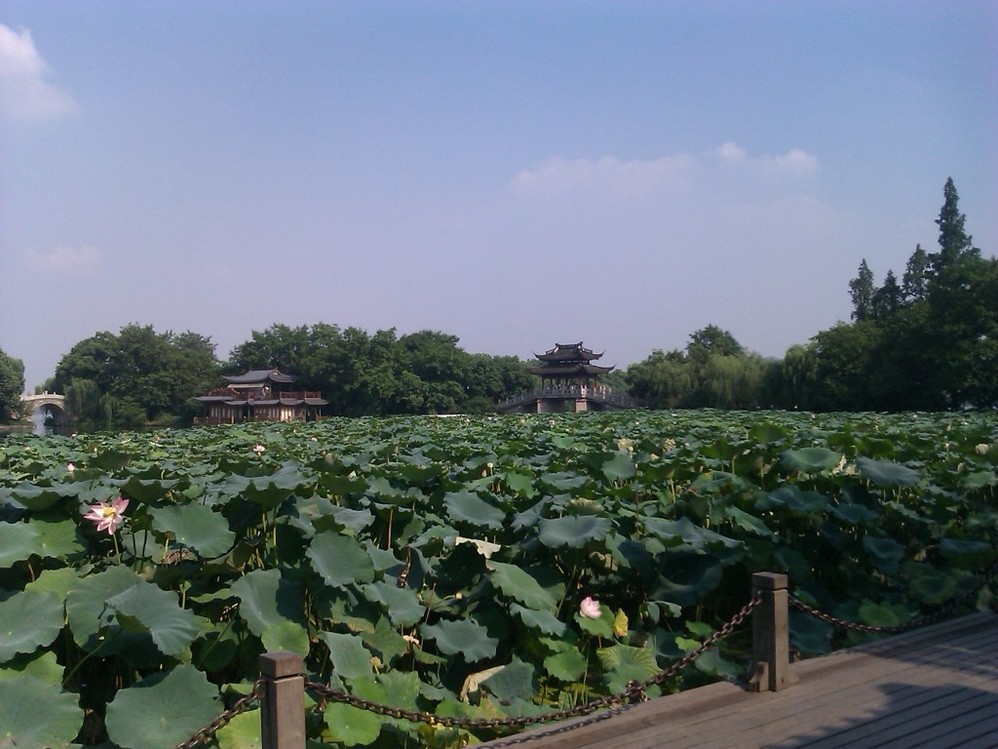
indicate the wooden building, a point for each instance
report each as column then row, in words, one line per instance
column 260, row 395
column 569, row 382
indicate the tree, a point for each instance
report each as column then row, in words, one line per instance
column 953, row 239
column 136, row 376
column 862, row 290
column 916, row 276
column 11, row 385
column 888, row 298
column 712, row 340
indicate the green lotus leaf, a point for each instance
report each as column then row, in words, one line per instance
column 145, row 491
column 242, row 732
column 350, row 725
column 746, row 522
column 574, row 531
column 464, row 637
column 195, row 526
column 18, row 541
column 38, row 498
column 385, row 640
column 541, row 619
column 163, row 710
column 810, row 459
column 714, row 664
column 146, row 608
column 568, row 665
column 285, row 635
column 601, row 626
column 266, row 599
column 766, row 432
column 29, row 620
column 351, row 660
column 59, row 539
column 620, row 467
column 686, row 578
column 856, row 515
column 878, row 615
column 349, row 519
column 929, row 585
column 886, row 552
column 626, row 663
column 886, row 472
column 684, row 532
column 980, row 480
column 340, row 560
column 803, row 502
column 59, row 581
column 966, row 553
column 22, row 723
column 520, row 483
column 468, row 507
column 514, row 681
column 521, row 586
column 401, row 604
column 44, row 666
column 86, row 607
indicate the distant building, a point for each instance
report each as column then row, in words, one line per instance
column 260, row 395
column 569, row 382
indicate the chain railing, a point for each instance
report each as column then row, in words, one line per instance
column 282, row 687
column 633, row 694
column 935, row 617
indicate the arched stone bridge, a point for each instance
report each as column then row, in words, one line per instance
column 53, row 403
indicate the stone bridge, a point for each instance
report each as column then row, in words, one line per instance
column 52, row 404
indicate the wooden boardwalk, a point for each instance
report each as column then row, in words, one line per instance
column 931, row 688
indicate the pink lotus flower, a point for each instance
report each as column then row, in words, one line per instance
column 259, row 449
column 107, row 515
column 590, row 608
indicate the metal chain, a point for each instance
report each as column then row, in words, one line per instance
column 920, row 621
column 239, row 706
column 634, row 693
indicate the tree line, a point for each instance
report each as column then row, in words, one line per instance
column 926, row 342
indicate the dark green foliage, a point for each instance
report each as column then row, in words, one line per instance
column 382, row 374
column 139, row 375
column 11, row 384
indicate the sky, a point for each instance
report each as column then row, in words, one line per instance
column 517, row 174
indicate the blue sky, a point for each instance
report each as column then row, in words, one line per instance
column 514, row 173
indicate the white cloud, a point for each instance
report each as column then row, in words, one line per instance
column 63, row 258
column 793, row 163
column 608, row 174
column 730, row 152
column 23, row 90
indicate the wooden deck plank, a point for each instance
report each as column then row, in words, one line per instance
column 934, row 687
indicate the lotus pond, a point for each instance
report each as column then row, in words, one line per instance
column 459, row 566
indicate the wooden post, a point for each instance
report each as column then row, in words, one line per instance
column 282, row 708
column 770, row 635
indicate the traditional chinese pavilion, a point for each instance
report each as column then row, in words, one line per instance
column 260, row 395
column 569, row 382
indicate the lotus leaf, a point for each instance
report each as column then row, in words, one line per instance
column 350, row 725
column 146, row 608
column 29, row 620
column 619, row 467
column 18, row 541
column 86, row 607
column 521, row 586
column 966, row 553
column 22, row 723
column 242, row 732
column 511, row 682
column 467, row 507
column 401, row 604
column 38, row 498
column 145, row 491
column 686, row 578
column 810, row 459
column 267, row 599
column 626, row 663
column 195, row 526
column 886, row 472
column 574, row 531
column 163, row 710
column 542, row 620
column 568, row 665
column 886, row 551
column 286, row 635
column 340, row 560
column 601, row 626
column 351, row 660
column 461, row 637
